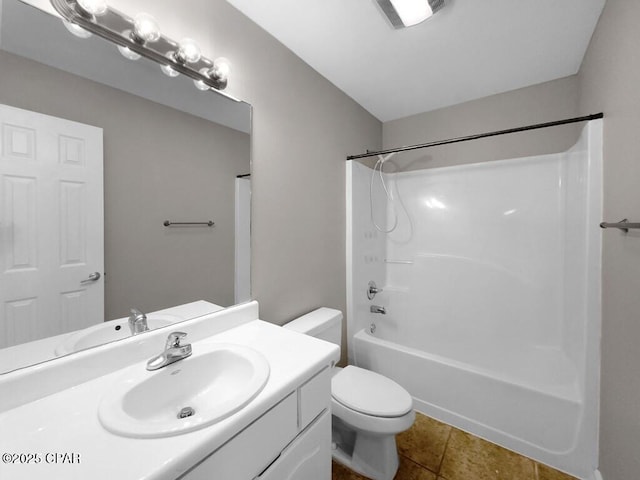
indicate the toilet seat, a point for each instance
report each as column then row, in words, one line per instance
column 370, row 393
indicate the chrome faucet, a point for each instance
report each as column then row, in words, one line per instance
column 173, row 352
column 137, row 322
column 378, row 309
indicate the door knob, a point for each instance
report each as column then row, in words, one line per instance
column 94, row 277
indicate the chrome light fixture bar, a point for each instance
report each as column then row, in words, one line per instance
column 140, row 37
column 406, row 13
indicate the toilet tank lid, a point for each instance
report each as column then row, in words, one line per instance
column 315, row 321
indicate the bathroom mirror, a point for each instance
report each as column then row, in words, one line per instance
column 170, row 152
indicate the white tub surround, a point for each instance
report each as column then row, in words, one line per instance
column 491, row 284
column 295, row 401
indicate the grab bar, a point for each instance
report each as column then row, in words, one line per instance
column 623, row 225
column 167, row 223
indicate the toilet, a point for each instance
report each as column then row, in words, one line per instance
column 368, row 409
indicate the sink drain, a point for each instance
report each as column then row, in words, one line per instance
column 186, row 412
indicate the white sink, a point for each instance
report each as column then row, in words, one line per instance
column 108, row 332
column 212, row 384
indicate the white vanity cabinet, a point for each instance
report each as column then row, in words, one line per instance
column 291, row 441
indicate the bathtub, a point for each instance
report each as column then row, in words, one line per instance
column 537, row 419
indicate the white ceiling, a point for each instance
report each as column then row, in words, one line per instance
column 468, row 50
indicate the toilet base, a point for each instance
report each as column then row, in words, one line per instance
column 374, row 456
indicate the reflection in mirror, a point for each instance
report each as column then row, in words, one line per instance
column 97, row 152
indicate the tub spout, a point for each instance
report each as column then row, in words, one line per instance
column 378, row 309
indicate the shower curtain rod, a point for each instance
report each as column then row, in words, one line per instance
column 478, row 136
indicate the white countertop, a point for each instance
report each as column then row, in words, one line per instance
column 67, row 422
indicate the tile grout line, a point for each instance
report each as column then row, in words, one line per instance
column 419, row 465
column 444, row 452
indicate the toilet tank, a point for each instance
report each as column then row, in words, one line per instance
column 323, row 323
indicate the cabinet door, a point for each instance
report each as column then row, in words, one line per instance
column 308, row 457
column 254, row 448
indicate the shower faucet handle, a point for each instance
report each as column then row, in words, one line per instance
column 372, row 290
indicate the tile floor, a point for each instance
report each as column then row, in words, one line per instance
column 431, row 450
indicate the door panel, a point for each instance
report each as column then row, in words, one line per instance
column 51, row 226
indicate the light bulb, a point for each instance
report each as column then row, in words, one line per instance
column 200, row 85
column 221, row 69
column 76, row 29
column 93, row 7
column 188, row 51
column 128, row 53
column 146, row 28
column 219, row 72
column 169, row 71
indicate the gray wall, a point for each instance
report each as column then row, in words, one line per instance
column 609, row 81
column 159, row 164
column 541, row 103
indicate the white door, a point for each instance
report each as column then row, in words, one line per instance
column 51, row 226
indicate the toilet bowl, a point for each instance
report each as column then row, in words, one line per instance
column 368, row 409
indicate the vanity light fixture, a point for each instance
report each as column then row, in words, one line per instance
column 406, row 13
column 140, row 36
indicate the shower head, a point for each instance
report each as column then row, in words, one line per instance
column 382, row 159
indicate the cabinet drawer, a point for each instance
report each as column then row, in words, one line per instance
column 313, row 397
column 254, row 448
